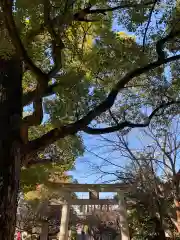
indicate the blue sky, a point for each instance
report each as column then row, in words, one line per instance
column 97, row 148
column 85, row 171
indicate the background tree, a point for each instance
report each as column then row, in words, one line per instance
column 150, row 207
column 152, row 168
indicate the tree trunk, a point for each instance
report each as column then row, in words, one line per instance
column 160, row 234
column 10, row 143
column 177, row 223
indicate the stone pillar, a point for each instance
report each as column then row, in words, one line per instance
column 123, row 218
column 93, row 195
column 63, row 235
column 44, row 231
column 84, row 209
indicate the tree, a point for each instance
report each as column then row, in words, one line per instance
column 167, row 143
column 148, row 207
column 66, row 48
column 152, row 167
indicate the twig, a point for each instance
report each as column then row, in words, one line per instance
column 113, row 117
column 148, row 23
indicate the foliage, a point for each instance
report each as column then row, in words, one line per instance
column 147, row 205
column 91, row 59
column 82, row 83
column 61, row 158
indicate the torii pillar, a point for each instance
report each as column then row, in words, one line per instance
column 44, row 231
column 63, row 235
column 123, row 218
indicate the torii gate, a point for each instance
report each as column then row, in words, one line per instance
column 94, row 190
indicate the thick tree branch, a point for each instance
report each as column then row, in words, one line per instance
column 50, row 137
column 111, row 9
column 120, row 126
column 13, row 33
column 39, row 161
column 81, row 125
column 37, row 116
column 124, row 124
column 57, row 44
column 160, row 44
column 29, row 97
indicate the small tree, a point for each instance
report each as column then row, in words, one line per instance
column 152, row 169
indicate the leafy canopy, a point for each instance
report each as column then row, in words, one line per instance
column 77, row 69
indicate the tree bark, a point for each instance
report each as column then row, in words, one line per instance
column 177, row 223
column 160, row 234
column 10, row 143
